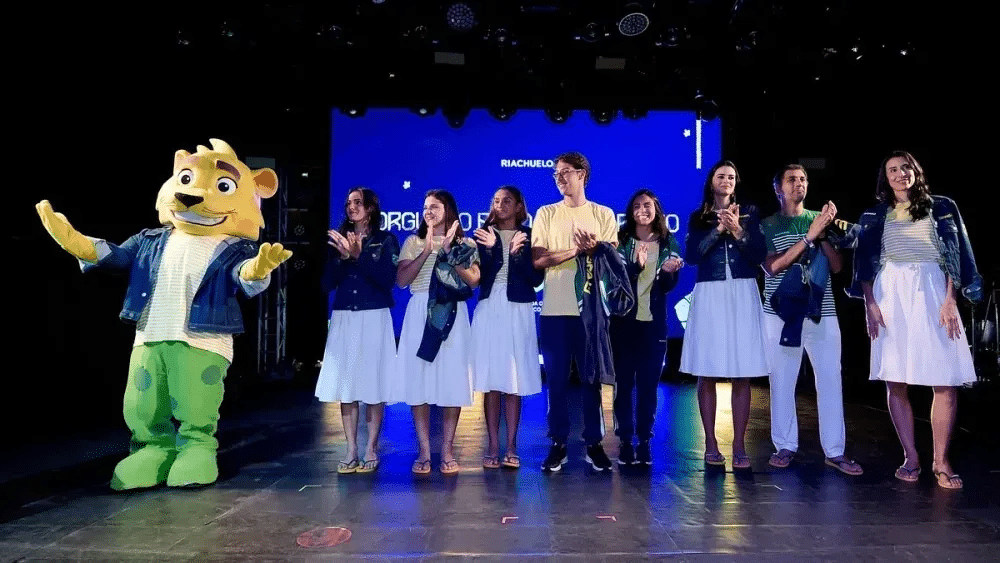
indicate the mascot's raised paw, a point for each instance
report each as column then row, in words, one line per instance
column 268, row 258
column 60, row 229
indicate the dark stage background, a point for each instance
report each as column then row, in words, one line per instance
column 102, row 98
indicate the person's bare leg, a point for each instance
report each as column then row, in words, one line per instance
column 901, row 413
column 943, row 411
column 741, row 414
column 512, row 412
column 373, row 416
column 349, row 418
column 706, row 404
column 449, row 423
column 491, row 406
column 422, row 425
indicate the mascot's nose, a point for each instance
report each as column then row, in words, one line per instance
column 188, row 200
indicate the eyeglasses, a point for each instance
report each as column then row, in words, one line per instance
column 559, row 173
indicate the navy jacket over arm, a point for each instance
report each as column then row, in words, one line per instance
column 602, row 290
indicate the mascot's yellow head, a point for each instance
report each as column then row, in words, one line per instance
column 213, row 193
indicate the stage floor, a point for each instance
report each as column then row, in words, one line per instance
column 279, row 484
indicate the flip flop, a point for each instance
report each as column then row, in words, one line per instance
column 511, row 460
column 368, row 465
column 949, row 480
column 421, row 467
column 491, row 462
column 741, row 461
column 781, row 459
column 845, row 466
column 908, row 475
column 715, row 459
column 345, row 467
column 450, row 467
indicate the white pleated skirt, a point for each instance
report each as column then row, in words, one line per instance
column 724, row 336
column 913, row 347
column 447, row 381
column 359, row 359
column 505, row 346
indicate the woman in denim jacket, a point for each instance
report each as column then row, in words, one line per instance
column 504, row 335
column 912, row 259
column 638, row 339
column 724, row 336
column 433, row 359
column 360, row 345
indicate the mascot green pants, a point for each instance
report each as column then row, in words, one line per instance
column 171, row 380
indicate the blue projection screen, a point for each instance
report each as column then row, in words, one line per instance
column 401, row 155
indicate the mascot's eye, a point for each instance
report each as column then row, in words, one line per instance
column 185, row 177
column 226, row 186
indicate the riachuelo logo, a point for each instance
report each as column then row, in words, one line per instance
column 525, row 163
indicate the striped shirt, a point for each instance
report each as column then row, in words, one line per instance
column 505, row 238
column 182, row 268
column 412, row 248
column 780, row 233
column 905, row 240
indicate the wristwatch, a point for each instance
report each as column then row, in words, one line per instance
column 809, row 243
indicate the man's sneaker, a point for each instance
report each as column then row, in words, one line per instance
column 556, row 458
column 597, row 458
column 642, row 453
column 626, row 455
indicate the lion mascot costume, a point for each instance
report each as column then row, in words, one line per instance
column 183, row 281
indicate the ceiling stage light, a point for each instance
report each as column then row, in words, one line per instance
column 461, row 17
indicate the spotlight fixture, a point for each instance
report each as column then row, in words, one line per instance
column 558, row 114
column 671, row 38
column 706, row 108
column 455, row 115
column 603, row 116
column 460, row 17
column 591, row 33
column 423, row 110
column 353, row 111
column 634, row 22
column 502, row 112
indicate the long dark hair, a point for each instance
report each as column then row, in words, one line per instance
column 450, row 214
column 659, row 225
column 919, row 193
column 519, row 217
column 369, row 199
column 704, row 215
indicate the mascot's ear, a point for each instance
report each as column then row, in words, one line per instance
column 179, row 156
column 266, row 182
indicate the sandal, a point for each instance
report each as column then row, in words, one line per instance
column 950, row 481
column 421, row 467
column 368, row 465
column 845, row 466
column 450, row 467
column 781, row 459
column 345, row 467
column 906, row 474
column 511, row 460
column 741, row 461
column 491, row 462
column 715, row 459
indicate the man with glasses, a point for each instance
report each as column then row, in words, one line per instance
column 559, row 233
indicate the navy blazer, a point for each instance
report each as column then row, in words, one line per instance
column 959, row 263
column 522, row 277
column 707, row 249
column 366, row 283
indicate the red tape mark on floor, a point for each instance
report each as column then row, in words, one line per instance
column 323, row 537
column 607, row 517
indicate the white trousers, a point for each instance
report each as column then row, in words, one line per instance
column 822, row 343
